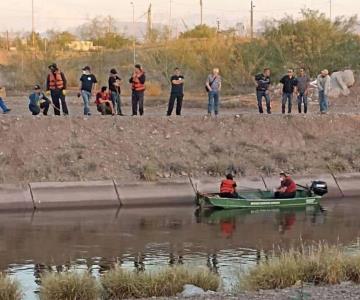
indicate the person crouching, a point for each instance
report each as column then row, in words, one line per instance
column 103, row 102
column 38, row 102
column 287, row 188
column 228, row 187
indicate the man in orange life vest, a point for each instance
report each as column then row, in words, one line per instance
column 287, row 188
column 137, row 81
column 56, row 87
column 228, row 187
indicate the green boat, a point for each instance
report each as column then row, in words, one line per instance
column 258, row 199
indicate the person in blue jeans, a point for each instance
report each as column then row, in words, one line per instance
column 323, row 84
column 303, row 84
column 262, row 82
column 289, row 88
column 3, row 106
column 213, row 87
column 87, row 85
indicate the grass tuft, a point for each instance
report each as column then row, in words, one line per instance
column 320, row 264
column 69, row 286
column 122, row 284
column 9, row 289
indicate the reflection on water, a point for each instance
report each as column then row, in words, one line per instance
column 144, row 239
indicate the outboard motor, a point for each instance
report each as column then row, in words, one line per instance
column 319, row 188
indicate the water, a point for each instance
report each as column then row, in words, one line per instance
column 145, row 239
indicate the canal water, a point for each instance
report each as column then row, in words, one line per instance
column 146, row 239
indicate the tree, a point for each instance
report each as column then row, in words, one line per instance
column 200, row 31
column 112, row 41
column 60, row 40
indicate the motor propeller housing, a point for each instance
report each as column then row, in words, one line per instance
column 319, row 187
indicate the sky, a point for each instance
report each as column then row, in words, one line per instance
column 15, row 15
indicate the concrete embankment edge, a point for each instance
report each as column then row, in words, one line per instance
column 102, row 194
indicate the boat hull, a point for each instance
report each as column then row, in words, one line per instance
column 256, row 200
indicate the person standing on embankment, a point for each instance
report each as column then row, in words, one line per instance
column 303, row 84
column 115, row 90
column 213, row 88
column 56, row 87
column 177, row 92
column 137, row 81
column 289, row 88
column 3, row 106
column 87, row 86
column 323, row 84
column 262, row 82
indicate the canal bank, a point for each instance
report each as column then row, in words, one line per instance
column 111, row 193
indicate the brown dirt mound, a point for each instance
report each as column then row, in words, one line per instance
column 76, row 148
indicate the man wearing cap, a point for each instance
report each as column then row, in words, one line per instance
column 137, row 81
column 287, row 188
column 115, row 90
column 87, row 85
column 56, row 87
column 38, row 102
column 323, row 84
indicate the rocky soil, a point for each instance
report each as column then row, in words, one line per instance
column 154, row 147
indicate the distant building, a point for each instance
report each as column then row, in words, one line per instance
column 83, row 46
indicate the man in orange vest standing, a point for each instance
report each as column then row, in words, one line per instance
column 228, row 187
column 137, row 81
column 56, row 87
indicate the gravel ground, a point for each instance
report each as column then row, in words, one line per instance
column 345, row 291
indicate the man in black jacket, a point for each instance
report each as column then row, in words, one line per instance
column 289, row 88
column 177, row 92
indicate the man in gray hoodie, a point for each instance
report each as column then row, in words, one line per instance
column 323, row 84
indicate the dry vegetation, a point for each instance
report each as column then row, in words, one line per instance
column 318, row 264
column 9, row 289
column 121, row 284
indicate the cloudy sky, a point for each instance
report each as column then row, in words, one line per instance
column 63, row 14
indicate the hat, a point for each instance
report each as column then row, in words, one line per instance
column 113, row 71
column 86, row 68
column 53, row 66
column 37, row 87
column 283, row 173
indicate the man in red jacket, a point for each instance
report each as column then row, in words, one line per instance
column 228, row 187
column 287, row 188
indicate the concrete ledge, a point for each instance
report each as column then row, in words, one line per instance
column 74, row 194
column 350, row 184
column 155, row 194
column 97, row 194
column 15, row 197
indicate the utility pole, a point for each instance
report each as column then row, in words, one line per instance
column 149, row 24
column 134, row 32
column 33, row 24
column 330, row 2
column 201, row 12
column 252, row 19
column 218, row 24
column 7, row 41
column 170, row 13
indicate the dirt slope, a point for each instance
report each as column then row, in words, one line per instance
column 52, row 149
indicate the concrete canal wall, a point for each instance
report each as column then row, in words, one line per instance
column 101, row 194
